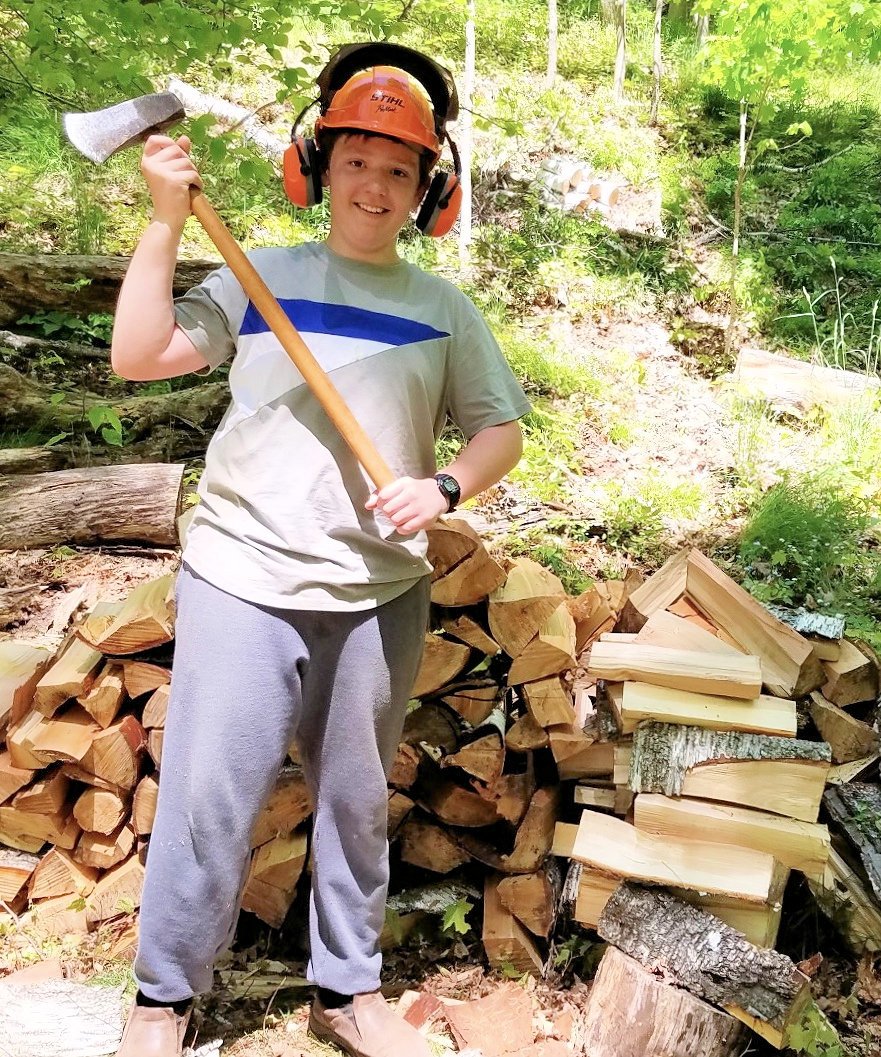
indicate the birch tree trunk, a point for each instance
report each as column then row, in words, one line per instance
column 466, row 137
column 657, row 63
column 551, row 74
column 621, row 54
column 735, row 242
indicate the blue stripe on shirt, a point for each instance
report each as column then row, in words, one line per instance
column 315, row 317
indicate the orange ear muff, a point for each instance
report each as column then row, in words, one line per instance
column 440, row 206
column 302, row 172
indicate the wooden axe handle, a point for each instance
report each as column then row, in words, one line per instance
column 316, row 378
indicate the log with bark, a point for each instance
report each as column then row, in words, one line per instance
column 855, row 809
column 54, row 282
column 761, row 987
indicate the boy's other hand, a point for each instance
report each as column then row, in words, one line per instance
column 410, row 504
column 170, row 173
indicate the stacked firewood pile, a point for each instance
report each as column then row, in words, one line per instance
column 83, row 733
column 575, row 187
column 717, row 798
column 694, row 794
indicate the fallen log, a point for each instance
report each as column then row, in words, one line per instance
column 631, row 1013
column 25, row 404
column 31, row 281
column 856, row 809
column 102, row 504
column 695, row 950
column 797, row 386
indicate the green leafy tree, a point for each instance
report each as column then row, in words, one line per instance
column 762, row 52
column 81, row 53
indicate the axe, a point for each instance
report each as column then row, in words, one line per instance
column 101, row 133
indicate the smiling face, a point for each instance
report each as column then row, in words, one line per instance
column 374, row 186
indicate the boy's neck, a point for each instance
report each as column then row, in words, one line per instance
column 341, row 248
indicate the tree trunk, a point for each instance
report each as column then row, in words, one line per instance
column 59, row 1018
column 631, row 1013
column 30, row 460
column 551, row 73
column 734, row 309
column 49, row 281
column 621, row 52
column 657, row 62
column 466, row 136
column 697, row 951
column 23, row 351
column 107, row 503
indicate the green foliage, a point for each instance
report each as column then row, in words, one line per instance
column 815, row 1036
column 455, row 915
column 94, row 329
column 553, row 547
column 580, row 955
column 803, row 542
column 550, row 451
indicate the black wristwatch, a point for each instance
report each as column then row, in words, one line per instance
column 449, row 489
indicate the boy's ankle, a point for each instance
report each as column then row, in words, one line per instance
column 151, row 1003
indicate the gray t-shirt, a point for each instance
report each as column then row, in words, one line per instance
column 281, row 518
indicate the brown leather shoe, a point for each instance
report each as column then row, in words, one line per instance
column 371, row 1029
column 153, row 1031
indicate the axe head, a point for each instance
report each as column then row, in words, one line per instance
column 101, row 133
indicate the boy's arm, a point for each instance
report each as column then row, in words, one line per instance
column 412, row 505
column 147, row 344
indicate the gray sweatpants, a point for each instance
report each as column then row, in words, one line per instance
column 248, row 681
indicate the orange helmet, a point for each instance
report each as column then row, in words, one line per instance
column 385, row 100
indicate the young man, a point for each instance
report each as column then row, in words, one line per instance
column 303, row 596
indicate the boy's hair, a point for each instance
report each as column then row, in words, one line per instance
column 329, row 138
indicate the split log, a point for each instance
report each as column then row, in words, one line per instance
column 432, row 724
column 782, row 775
column 442, row 661
column 118, row 892
column 520, row 606
column 144, row 805
column 144, row 620
column 500, row 1023
column 483, row 758
column 37, row 741
column 617, row 848
column 592, row 615
column 474, row 703
column 450, row 542
column 511, row 794
column 848, row 738
column 156, row 708
column 578, row 756
column 70, row 675
column 728, row 675
column 16, row 869
column 58, row 874
column 59, row 917
column 856, row 809
column 104, row 503
column 31, row 281
column 505, row 940
column 659, row 592
column 405, row 767
column 272, row 880
column 549, row 702
column 459, row 807
column 143, row 678
column 399, row 807
column 798, row 845
column 105, row 697
column 631, row 1013
column 115, row 754
column 847, row 772
column 550, row 652
column 12, row 778
column 634, row 702
column 288, row 806
column 430, row 846
column 100, row 811
column 533, row 842
column 599, row 798
column 847, row 901
column 758, row 986
column 21, row 667
column 806, row 622
column 468, row 629
column 531, row 899
column 525, row 735
column 155, row 738
column 852, row 678
column 469, row 582
column 667, row 629
column 30, row 830
column 789, row 667
column 105, row 850
column 47, row 795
